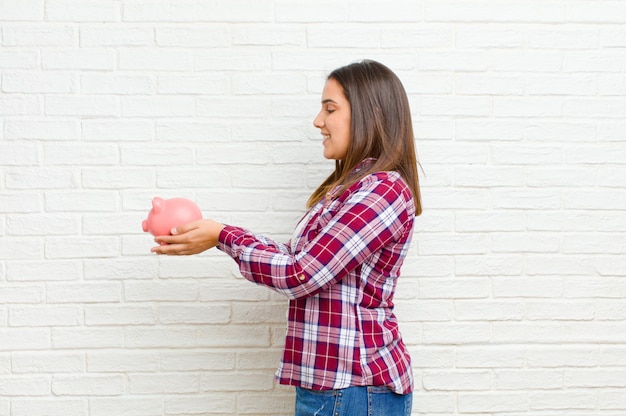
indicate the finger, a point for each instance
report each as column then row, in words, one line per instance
column 169, row 249
column 185, row 228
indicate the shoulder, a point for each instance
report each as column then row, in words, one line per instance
column 388, row 185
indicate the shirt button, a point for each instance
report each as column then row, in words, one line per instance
column 302, row 278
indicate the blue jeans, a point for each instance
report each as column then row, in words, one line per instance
column 352, row 401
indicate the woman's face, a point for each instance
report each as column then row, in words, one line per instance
column 333, row 121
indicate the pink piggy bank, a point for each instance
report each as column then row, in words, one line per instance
column 169, row 213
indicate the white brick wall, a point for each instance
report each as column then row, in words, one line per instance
column 512, row 299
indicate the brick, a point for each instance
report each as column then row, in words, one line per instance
column 43, row 407
column 81, row 201
column 407, row 35
column 21, row 294
column 310, row 12
column 490, row 357
column 118, row 130
column 476, row 36
column 98, row 178
column 154, row 60
column 40, row 35
column 57, row 130
column 462, row 288
column 20, row 248
column 594, row 60
column 88, row 59
column 157, row 106
column 607, row 285
column 612, row 84
column 199, row 359
column 119, row 269
column 452, row 60
column 76, row 248
column 83, row 292
column 562, row 265
column 466, row 380
column 526, row 61
column 21, row 339
column 589, row 11
column 16, row 10
column 163, row 337
column 88, row 385
column 457, row 10
column 91, row 11
column 164, row 383
column 19, row 154
column 48, row 362
column 84, row 106
column 424, row 311
column 89, row 338
column 155, row 155
column 115, row 34
column 117, row 84
column 43, row 316
column 129, row 405
column 558, row 85
column 135, row 291
column 197, row 36
column 43, row 270
column 471, row 310
column 532, row 11
column 120, row 315
column 16, row 105
column 195, row 314
column 122, row 361
column 453, row 333
column 528, row 379
column 453, row 244
column 38, row 82
column 41, row 178
column 562, row 400
column 203, row 132
column 19, row 60
column 206, row 84
column 218, row 403
column 579, row 38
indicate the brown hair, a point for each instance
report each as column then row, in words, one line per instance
column 381, row 128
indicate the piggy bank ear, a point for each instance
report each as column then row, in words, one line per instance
column 158, row 205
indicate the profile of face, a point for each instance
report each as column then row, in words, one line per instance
column 334, row 120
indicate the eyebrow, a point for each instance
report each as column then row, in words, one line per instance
column 328, row 100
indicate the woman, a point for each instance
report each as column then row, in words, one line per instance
column 343, row 349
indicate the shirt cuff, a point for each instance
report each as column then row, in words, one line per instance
column 227, row 236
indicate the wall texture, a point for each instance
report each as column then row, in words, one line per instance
column 512, row 299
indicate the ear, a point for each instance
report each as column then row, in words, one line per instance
column 158, row 205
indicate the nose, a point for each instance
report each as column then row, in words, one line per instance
column 318, row 121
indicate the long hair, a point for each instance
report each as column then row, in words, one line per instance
column 381, row 128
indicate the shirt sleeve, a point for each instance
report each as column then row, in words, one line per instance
column 371, row 216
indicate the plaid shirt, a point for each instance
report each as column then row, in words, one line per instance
column 339, row 272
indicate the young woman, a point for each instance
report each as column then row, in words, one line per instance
column 343, row 349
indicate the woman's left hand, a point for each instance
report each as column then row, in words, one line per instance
column 192, row 238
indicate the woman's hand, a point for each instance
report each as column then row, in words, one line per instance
column 192, row 238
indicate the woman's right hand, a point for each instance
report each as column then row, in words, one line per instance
column 192, row 238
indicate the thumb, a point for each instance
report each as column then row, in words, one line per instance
column 182, row 229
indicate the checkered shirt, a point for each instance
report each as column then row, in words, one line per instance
column 339, row 272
